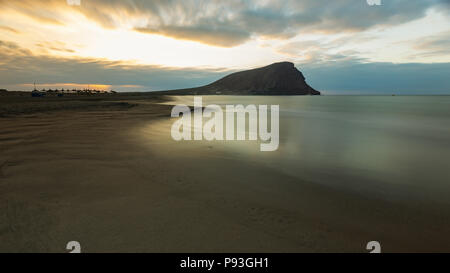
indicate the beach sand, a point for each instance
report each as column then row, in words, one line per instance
column 84, row 170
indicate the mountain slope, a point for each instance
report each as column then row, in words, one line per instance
column 276, row 79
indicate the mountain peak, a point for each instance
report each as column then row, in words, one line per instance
column 287, row 64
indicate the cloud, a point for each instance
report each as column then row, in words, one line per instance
column 51, row 72
column 231, row 23
column 55, row 46
column 9, row 49
column 436, row 45
column 322, row 52
column 9, row 29
column 43, row 12
column 218, row 36
column 235, row 22
column 294, row 29
column 346, row 76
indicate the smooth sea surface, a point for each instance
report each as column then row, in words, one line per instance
column 392, row 147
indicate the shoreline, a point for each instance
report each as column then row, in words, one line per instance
column 104, row 177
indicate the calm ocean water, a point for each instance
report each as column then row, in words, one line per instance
column 393, row 147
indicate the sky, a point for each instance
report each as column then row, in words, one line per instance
column 342, row 47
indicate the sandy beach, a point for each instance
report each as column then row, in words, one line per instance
column 84, row 169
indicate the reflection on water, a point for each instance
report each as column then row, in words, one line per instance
column 393, row 146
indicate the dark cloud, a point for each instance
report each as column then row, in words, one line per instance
column 238, row 21
column 233, row 22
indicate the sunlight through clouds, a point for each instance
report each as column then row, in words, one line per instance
column 227, row 36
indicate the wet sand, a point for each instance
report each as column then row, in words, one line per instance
column 94, row 174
